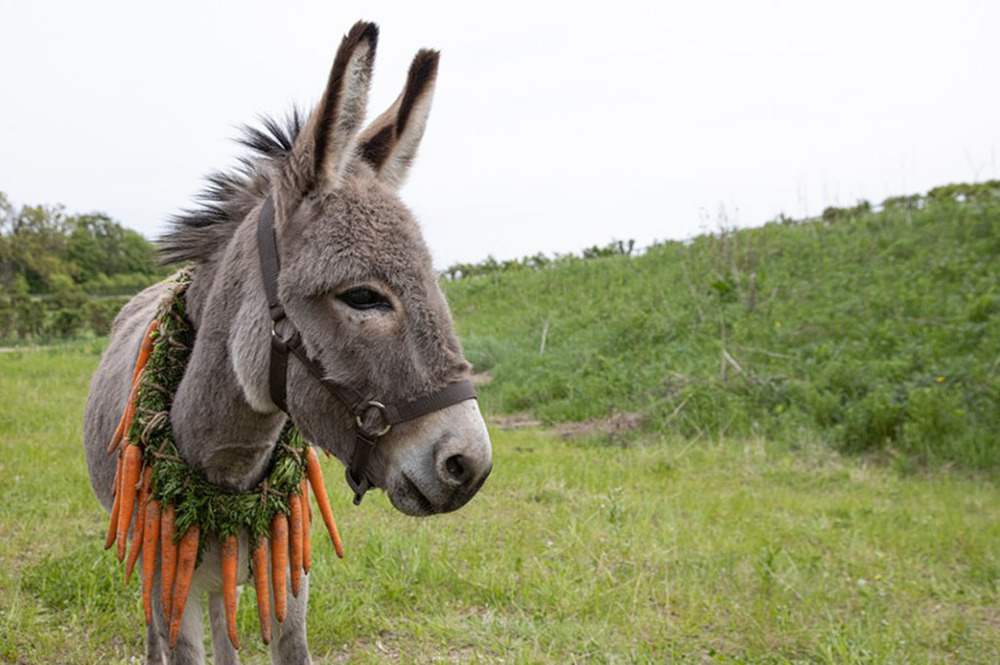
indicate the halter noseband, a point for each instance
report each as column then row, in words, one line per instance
column 373, row 419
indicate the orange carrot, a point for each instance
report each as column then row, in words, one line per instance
column 116, row 508
column 304, row 487
column 279, row 563
column 295, row 542
column 116, row 438
column 130, row 478
column 306, row 528
column 150, row 539
column 145, row 350
column 230, row 565
column 168, row 559
column 322, row 500
column 187, row 556
column 262, row 584
column 128, row 415
column 139, row 532
column 126, row 420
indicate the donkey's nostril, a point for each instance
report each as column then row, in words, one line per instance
column 457, row 468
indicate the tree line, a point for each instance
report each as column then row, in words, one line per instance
column 491, row 266
column 956, row 192
column 62, row 274
column 44, row 250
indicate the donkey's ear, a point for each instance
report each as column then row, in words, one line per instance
column 325, row 144
column 390, row 143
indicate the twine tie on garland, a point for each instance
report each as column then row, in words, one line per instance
column 175, row 506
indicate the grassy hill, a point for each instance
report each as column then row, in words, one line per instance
column 877, row 331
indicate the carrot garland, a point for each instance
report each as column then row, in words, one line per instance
column 187, row 556
column 230, row 563
column 168, row 498
column 322, row 500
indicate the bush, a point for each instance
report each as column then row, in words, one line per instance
column 872, row 422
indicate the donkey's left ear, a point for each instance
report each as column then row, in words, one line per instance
column 390, row 143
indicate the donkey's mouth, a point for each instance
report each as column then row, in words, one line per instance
column 408, row 498
column 411, row 492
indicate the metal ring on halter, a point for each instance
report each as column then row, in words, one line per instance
column 378, row 406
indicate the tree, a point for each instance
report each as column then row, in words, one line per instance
column 44, row 246
column 98, row 246
column 33, row 245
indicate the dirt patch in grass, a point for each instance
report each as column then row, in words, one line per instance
column 514, row 421
column 616, row 427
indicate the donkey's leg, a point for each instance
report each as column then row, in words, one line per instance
column 156, row 641
column 190, row 649
column 155, row 646
column 289, row 646
column 223, row 652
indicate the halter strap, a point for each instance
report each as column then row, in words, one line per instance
column 373, row 419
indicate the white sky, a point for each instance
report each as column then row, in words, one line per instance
column 556, row 125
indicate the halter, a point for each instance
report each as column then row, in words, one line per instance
column 373, row 419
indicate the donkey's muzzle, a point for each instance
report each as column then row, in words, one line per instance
column 461, row 473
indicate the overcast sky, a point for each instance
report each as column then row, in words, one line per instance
column 556, row 125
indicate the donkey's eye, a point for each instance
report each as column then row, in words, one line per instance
column 365, row 298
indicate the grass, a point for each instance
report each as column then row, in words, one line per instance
column 664, row 550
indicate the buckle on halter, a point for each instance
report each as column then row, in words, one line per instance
column 360, row 487
column 364, row 410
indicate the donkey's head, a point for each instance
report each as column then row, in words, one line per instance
column 357, row 284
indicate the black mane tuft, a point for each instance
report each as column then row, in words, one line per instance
column 196, row 233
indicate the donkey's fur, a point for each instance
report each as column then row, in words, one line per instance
column 340, row 227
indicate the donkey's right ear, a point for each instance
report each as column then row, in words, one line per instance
column 322, row 149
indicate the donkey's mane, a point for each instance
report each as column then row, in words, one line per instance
column 228, row 197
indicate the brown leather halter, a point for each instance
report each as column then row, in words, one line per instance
column 373, row 419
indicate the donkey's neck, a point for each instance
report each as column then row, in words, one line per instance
column 217, row 430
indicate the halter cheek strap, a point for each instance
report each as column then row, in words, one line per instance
column 372, row 418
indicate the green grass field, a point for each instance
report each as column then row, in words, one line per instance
column 663, row 550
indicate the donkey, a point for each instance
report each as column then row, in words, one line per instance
column 357, row 302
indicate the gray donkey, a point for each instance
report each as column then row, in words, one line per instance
column 355, row 300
